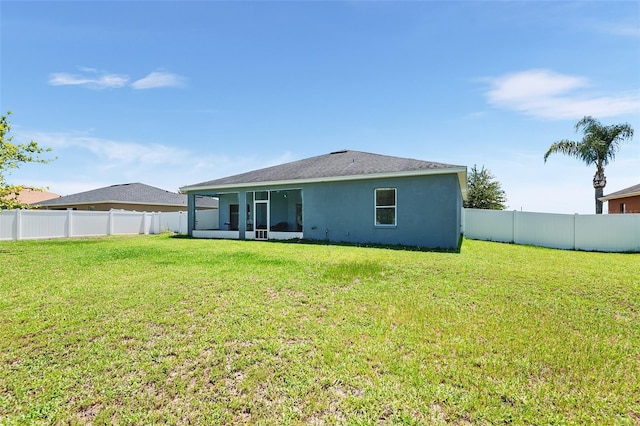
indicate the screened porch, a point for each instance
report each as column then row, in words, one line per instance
column 253, row 215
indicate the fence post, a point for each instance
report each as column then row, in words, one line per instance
column 18, row 224
column 110, row 226
column 515, row 228
column 154, row 221
column 69, row 223
column 575, row 228
column 145, row 229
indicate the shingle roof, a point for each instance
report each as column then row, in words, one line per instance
column 337, row 164
column 627, row 192
column 32, row 196
column 131, row 193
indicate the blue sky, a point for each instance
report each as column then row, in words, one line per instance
column 173, row 93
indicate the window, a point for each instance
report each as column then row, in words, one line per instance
column 385, row 206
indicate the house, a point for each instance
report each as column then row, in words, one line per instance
column 624, row 201
column 343, row 196
column 128, row 196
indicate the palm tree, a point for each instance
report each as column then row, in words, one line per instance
column 598, row 145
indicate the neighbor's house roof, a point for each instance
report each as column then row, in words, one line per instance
column 31, row 195
column 631, row 191
column 335, row 166
column 128, row 193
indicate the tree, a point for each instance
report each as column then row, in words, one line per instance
column 483, row 191
column 12, row 156
column 598, row 146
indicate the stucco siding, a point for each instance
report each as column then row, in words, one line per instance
column 427, row 212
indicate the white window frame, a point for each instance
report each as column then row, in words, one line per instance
column 394, row 206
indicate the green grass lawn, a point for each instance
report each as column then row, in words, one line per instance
column 150, row 329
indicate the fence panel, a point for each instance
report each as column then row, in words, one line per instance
column 8, row 222
column 612, row 233
column 128, row 222
column 544, row 229
column 90, row 223
column 174, row 222
column 35, row 224
column 493, row 225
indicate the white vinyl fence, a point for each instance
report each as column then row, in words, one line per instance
column 38, row 224
column 591, row 232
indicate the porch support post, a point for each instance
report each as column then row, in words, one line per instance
column 242, row 214
column 191, row 213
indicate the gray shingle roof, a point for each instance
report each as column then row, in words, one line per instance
column 131, row 193
column 627, row 192
column 336, row 164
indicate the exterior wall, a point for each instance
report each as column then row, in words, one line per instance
column 632, row 205
column 427, row 212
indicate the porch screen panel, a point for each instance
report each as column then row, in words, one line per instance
column 261, row 215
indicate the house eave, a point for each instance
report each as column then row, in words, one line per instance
column 93, row 203
column 615, row 197
column 460, row 171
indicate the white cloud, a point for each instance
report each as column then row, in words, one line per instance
column 95, row 79
column 547, row 94
column 91, row 78
column 159, row 79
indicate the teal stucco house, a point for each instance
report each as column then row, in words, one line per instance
column 344, row 196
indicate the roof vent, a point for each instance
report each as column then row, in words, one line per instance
column 339, row 152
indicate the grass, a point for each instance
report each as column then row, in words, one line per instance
column 154, row 329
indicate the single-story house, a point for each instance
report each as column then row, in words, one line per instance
column 128, row 196
column 343, row 196
column 624, row 201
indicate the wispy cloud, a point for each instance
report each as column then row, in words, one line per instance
column 95, row 79
column 620, row 29
column 159, row 79
column 101, row 161
column 548, row 94
column 90, row 78
column 115, row 153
